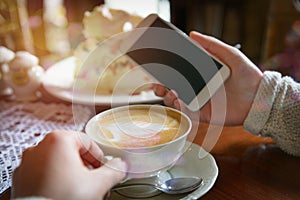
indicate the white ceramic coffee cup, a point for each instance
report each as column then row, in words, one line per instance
column 143, row 161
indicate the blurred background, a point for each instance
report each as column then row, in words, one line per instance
column 267, row 30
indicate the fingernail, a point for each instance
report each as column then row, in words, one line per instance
column 238, row 46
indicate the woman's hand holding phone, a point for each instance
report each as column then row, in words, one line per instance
column 240, row 88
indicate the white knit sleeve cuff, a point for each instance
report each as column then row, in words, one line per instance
column 263, row 101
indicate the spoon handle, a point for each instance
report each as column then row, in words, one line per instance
column 119, row 187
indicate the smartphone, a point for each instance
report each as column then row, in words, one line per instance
column 176, row 61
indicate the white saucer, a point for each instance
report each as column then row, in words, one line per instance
column 194, row 162
column 59, row 80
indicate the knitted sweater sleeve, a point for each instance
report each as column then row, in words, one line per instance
column 275, row 112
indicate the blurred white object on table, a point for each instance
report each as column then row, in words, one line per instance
column 6, row 55
column 24, row 76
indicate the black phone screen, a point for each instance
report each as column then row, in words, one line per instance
column 173, row 60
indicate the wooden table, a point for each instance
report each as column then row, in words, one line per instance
column 250, row 167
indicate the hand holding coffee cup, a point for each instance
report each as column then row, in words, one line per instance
column 150, row 138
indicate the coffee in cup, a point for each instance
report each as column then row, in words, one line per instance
column 149, row 137
column 140, row 127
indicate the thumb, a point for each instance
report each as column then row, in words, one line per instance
column 112, row 172
column 226, row 53
column 211, row 44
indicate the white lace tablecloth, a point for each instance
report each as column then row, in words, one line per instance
column 23, row 125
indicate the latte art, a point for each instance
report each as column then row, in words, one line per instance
column 139, row 128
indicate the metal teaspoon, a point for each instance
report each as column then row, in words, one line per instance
column 178, row 185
